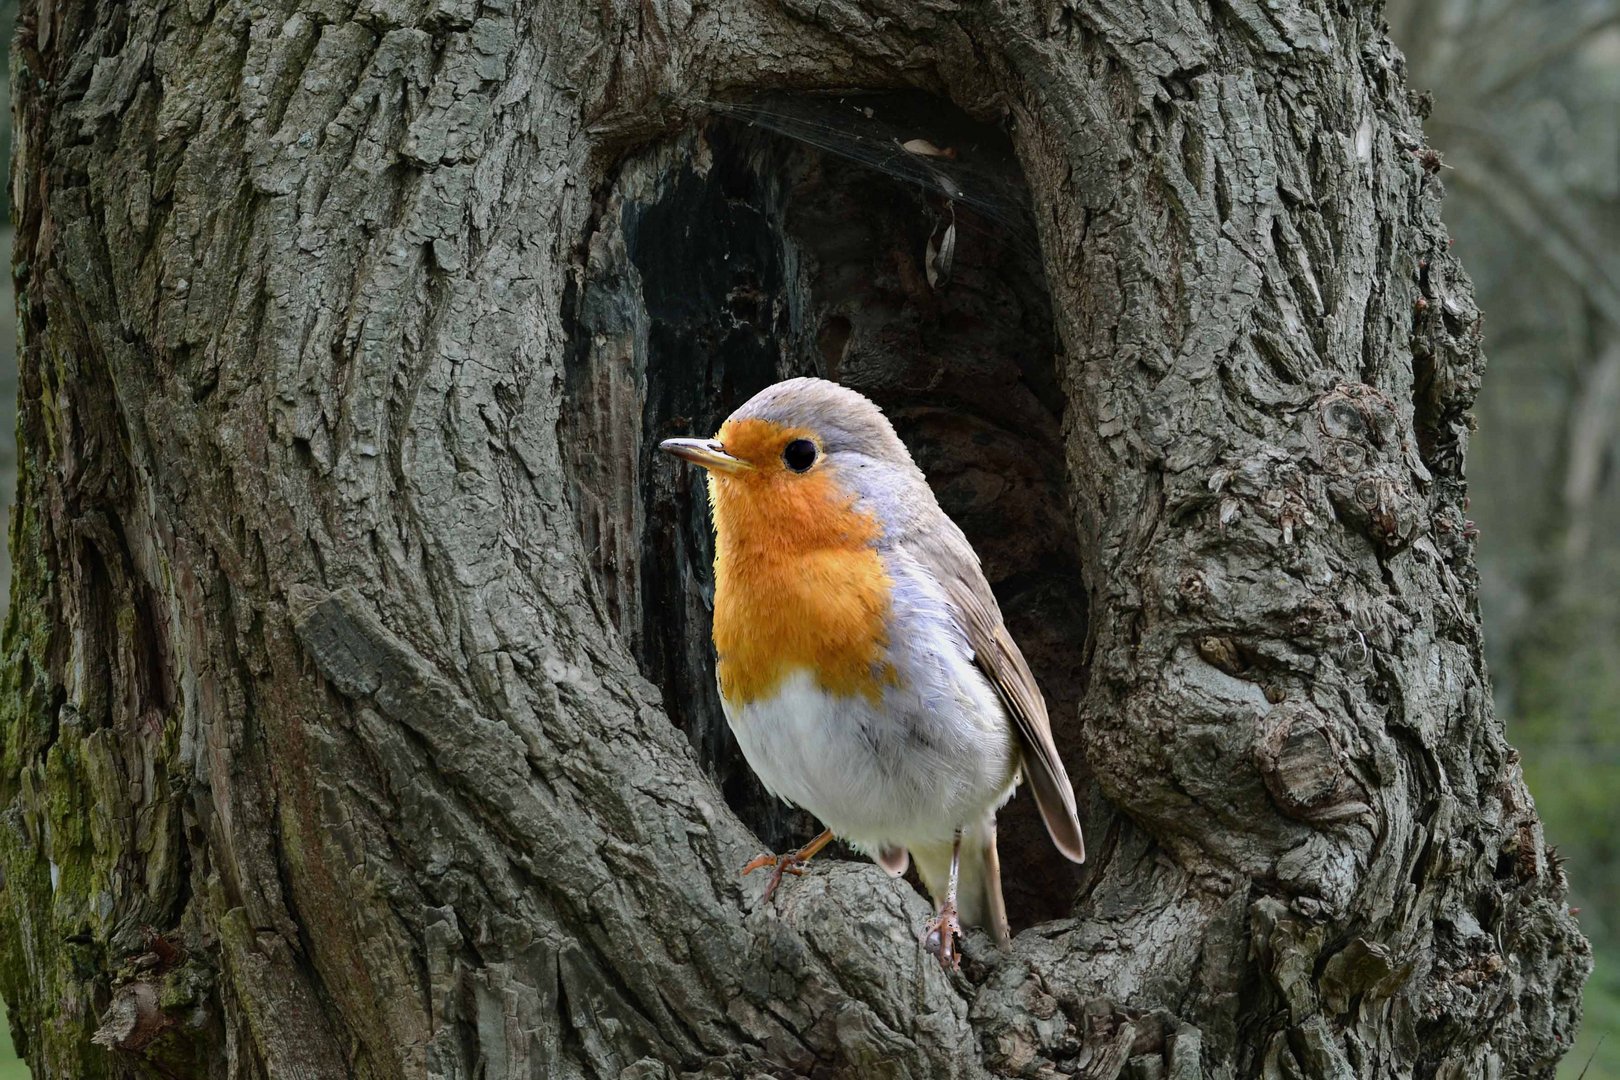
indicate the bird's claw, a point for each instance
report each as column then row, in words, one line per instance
column 942, row 936
column 790, row 863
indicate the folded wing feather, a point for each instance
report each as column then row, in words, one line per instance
column 946, row 554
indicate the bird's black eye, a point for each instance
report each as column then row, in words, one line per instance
column 799, row 454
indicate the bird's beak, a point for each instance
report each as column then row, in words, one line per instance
column 708, row 453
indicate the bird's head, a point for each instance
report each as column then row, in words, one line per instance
column 804, row 457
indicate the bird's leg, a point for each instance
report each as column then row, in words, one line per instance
column 792, row 863
column 941, row 933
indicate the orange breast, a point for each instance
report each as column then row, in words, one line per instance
column 797, row 585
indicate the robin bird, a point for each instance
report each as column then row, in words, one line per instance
column 863, row 663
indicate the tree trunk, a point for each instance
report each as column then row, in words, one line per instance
column 358, row 716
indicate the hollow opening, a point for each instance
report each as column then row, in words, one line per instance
column 882, row 241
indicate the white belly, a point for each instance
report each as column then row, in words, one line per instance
column 933, row 755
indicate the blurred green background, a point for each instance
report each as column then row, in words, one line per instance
column 1526, row 110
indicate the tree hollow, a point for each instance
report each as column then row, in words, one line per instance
column 737, row 254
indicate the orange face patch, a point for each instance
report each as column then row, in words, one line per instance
column 798, row 583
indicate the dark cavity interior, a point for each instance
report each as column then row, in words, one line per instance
column 789, row 238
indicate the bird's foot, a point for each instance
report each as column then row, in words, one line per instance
column 942, row 936
column 792, row 863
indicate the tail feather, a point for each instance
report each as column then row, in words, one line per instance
column 978, row 888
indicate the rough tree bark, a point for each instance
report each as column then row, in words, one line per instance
column 352, row 613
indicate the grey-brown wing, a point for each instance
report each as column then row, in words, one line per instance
column 946, row 554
